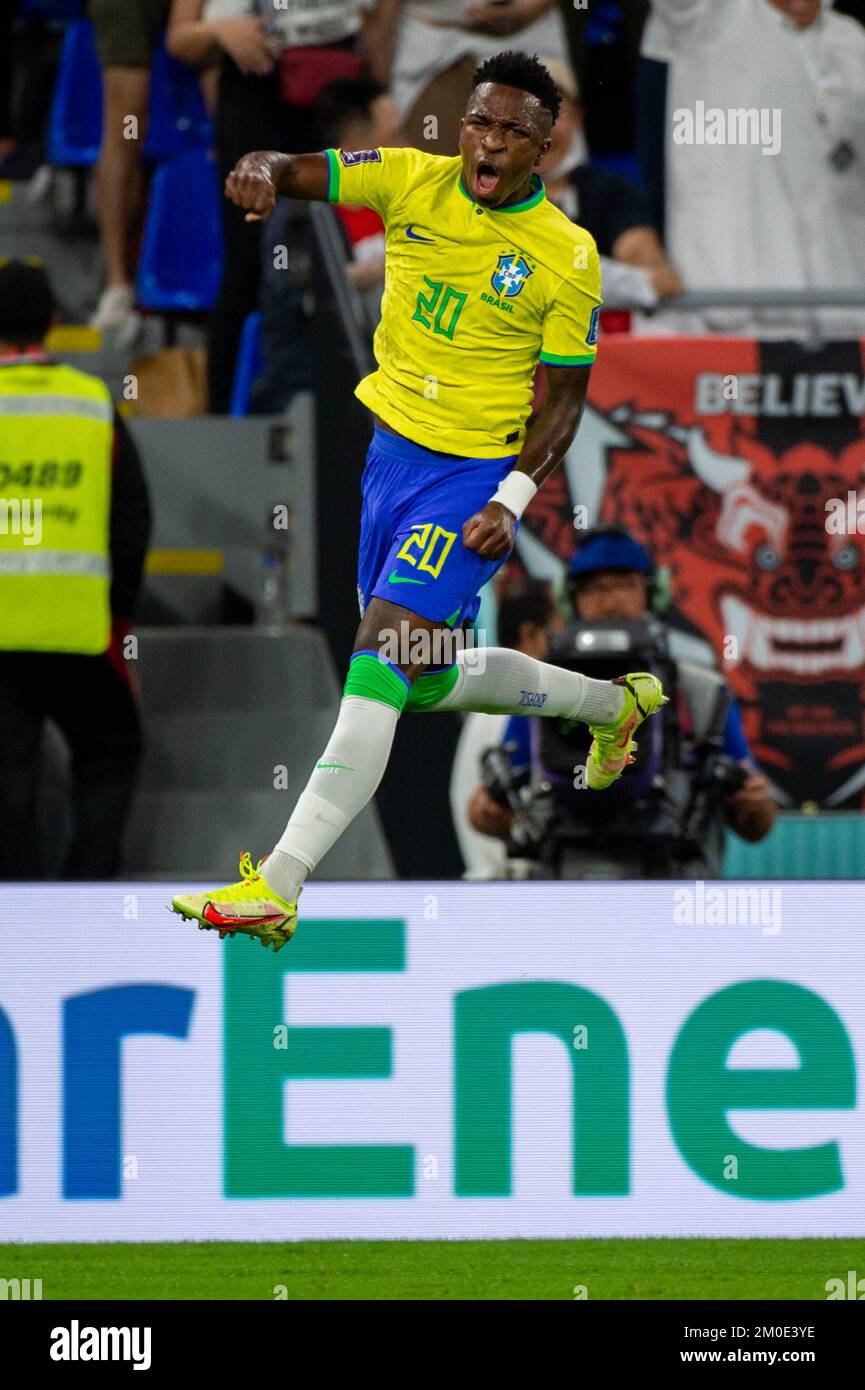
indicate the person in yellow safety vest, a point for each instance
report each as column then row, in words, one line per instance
column 74, row 529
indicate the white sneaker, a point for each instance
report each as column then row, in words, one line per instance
column 114, row 308
column 41, row 184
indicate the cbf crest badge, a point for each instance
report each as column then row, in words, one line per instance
column 510, row 274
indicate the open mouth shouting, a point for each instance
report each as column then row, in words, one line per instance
column 486, row 179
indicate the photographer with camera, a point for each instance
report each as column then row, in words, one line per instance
column 692, row 775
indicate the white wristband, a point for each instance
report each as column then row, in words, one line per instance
column 515, row 492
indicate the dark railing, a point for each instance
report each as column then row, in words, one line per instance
column 354, row 314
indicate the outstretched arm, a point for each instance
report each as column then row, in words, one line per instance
column 504, row 17
column 680, row 13
column 258, row 179
column 492, row 530
column 378, row 27
column 641, row 246
column 196, row 41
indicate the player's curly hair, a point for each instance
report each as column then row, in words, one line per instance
column 515, row 69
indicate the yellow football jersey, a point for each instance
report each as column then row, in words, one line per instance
column 473, row 299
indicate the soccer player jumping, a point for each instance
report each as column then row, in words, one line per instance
column 484, row 278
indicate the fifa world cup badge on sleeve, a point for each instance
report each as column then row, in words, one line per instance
column 349, row 157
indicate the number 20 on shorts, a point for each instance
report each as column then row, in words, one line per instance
column 427, row 538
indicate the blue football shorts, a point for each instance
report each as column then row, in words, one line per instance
column 415, row 503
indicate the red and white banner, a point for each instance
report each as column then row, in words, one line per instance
column 741, row 465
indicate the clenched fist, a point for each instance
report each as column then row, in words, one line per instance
column 491, row 531
column 251, row 186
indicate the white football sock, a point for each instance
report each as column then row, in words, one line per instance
column 497, row 680
column 346, row 776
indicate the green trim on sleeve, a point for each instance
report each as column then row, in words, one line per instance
column 554, row 360
column 332, row 194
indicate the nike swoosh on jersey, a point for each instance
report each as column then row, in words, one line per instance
column 415, row 236
column 394, row 578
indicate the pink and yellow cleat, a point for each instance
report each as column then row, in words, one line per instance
column 613, row 746
column 249, row 907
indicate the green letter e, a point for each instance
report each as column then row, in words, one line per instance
column 702, row 1088
column 258, row 1162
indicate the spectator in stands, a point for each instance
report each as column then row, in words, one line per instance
column 273, row 63
column 127, row 34
column 438, row 45
column 607, row 205
column 74, row 526
column 776, row 202
column 527, row 616
column 360, row 114
column 27, row 74
column 577, row 21
column 8, row 10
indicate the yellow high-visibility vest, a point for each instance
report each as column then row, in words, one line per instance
column 56, row 437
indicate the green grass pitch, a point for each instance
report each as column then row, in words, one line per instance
column 431, row 1270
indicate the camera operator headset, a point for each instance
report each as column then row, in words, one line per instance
column 667, row 815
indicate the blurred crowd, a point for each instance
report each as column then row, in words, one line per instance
column 642, row 154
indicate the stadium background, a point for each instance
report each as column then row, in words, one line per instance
column 94, row 1144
